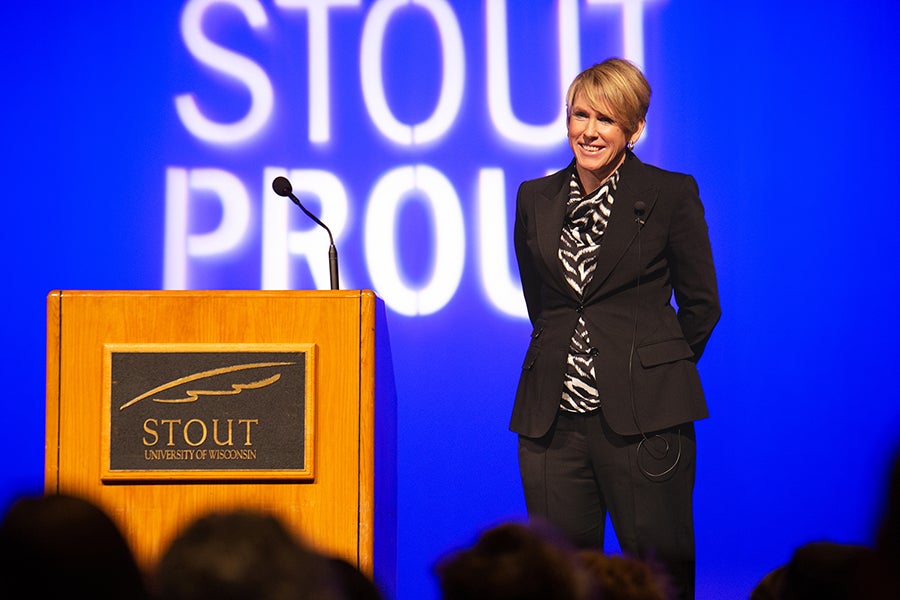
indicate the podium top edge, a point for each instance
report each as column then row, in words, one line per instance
column 215, row 293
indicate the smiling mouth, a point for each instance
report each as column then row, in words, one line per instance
column 590, row 148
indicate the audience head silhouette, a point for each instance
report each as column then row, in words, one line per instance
column 826, row 570
column 514, row 561
column 354, row 584
column 242, row 555
column 64, row 546
column 620, row 577
column 888, row 538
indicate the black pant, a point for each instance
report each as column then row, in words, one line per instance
column 581, row 469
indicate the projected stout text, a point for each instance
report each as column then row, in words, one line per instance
column 247, row 209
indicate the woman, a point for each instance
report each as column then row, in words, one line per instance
column 609, row 388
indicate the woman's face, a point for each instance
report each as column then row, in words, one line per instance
column 597, row 141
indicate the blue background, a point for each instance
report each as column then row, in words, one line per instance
column 784, row 111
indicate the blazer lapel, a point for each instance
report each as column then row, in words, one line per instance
column 622, row 228
column 549, row 215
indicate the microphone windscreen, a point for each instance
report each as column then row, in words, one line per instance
column 282, row 186
column 639, row 207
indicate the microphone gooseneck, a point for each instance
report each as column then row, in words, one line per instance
column 282, row 186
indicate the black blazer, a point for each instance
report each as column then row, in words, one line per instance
column 645, row 350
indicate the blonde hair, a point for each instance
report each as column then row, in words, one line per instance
column 614, row 86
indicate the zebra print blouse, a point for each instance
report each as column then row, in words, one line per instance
column 582, row 234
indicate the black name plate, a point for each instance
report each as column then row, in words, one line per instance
column 209, row 411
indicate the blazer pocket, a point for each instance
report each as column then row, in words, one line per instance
column 661, row 353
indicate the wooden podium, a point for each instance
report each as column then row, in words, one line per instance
column 165, row 405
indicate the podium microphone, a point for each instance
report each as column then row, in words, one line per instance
column 283, row 187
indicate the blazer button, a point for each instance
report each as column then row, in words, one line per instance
column 594, row 352
column 580, row 309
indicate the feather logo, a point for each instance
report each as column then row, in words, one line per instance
column 192, row 395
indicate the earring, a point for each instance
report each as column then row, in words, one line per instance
column 631, row 145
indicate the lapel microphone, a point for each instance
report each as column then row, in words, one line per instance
column 639, row 209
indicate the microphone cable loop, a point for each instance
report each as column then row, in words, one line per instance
column 646, row 443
